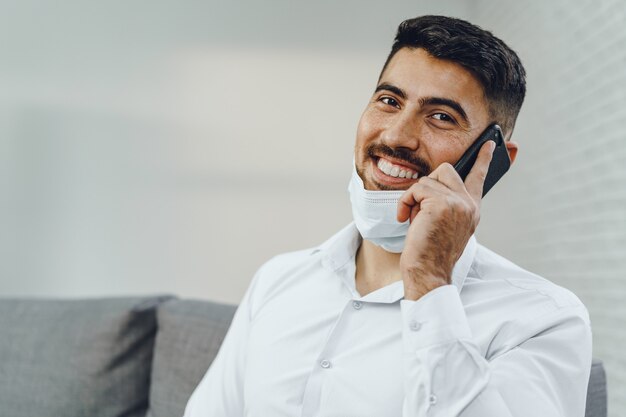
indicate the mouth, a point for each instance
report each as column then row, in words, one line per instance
column 392, row 173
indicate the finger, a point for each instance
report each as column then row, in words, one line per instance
column 446, row 175
column 410, row 200
column 476, row 178
column 414, row 210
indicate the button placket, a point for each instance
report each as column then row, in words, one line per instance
column 415, row 325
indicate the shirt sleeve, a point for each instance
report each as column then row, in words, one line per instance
column 543, row 371
column 220, row 392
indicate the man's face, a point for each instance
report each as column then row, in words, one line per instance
column 424, row 112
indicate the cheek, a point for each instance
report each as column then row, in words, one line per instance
column 361, row 131
column 361, row 142
column 442, row 151
column 365, row 128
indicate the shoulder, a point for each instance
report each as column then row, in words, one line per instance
column 520, row 289
column 334, row 252
column 280, row 274
column 285, row 262
column 508, row 306
column 289, row 274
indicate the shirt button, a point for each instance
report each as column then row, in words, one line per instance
column 356, row 304
column 432, row 399
column 415, row 325
column 325, row 364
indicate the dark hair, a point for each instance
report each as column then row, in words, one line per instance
column 496, row 66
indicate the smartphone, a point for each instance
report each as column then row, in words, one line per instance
column 500, row 161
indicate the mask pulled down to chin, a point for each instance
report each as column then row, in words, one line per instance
column 374, row 215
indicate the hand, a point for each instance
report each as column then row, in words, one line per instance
column 444, row 213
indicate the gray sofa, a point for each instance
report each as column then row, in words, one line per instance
column 123, row 357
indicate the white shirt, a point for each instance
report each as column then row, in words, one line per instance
column 500, row 341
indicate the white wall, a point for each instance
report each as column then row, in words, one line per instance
column 164, row 147
column 565, row 209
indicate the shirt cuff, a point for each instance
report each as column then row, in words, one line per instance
column 436, row 318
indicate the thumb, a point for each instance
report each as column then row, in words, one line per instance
column 476, row 178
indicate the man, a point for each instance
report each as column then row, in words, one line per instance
column 403, row 313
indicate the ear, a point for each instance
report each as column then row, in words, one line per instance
column 511, row 147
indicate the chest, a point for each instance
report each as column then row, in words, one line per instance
column 321, row 360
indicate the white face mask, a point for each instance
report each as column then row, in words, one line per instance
column 374, row 214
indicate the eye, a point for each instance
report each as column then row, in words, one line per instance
column 443, row 117
column 390, row 101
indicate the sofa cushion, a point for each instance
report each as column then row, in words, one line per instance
column 190, row 334
column 76, row 357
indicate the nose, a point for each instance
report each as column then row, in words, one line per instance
column 403, row 131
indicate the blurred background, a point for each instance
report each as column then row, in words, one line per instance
column 173, row 147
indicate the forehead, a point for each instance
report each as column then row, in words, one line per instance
column 420, row 75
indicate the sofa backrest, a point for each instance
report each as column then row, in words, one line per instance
column 190, row 334
column 76, row 358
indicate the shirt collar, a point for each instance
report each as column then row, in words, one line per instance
column 339, row 252
column 340, row 248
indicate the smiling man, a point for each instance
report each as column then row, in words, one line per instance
column 403, row 313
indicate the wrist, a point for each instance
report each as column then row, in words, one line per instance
column 418, row 283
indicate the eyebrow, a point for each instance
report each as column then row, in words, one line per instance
column 426, row 101
column 389, row 87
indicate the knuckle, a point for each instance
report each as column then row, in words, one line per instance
column 454, row 204
column 416, row 186
column 474, row 212
column 447, row 166
column 472, row 207
column 466, row 208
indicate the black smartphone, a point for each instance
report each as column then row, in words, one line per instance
column 500, row 161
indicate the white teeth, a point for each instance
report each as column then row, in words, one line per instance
column 395, row 171
column 382, row 166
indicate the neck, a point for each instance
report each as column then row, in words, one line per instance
column 375, row 267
